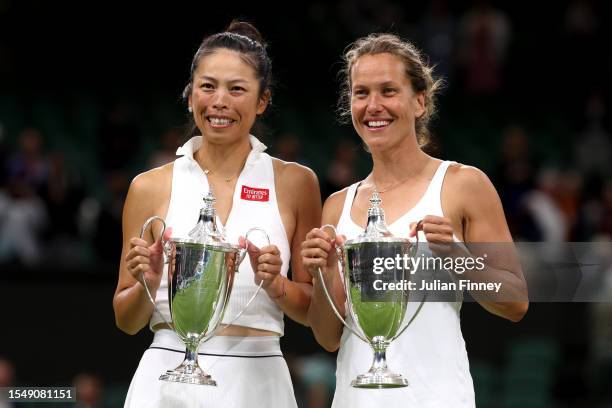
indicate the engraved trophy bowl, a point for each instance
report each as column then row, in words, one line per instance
column 376, row 316
column 201, row 270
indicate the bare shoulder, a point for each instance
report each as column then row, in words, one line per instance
column 297, row 186
column 467, row 180
column 291, row 172
column 149, row 192
column 469, row 192
column 152, row 183
column 336, row 200
column 296, row 182
column 332, row 209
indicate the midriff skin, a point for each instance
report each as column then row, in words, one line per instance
column 239, row 331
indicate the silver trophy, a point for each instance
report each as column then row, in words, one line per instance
column 201, row 271
column 379, row 316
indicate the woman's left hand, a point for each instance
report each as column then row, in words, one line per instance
column 436, row 229
column 266, row 263
column 438, row 233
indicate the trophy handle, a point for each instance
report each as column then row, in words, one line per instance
column 330, row 299
column 414, row 249
column 241, row 256
column 165, row 253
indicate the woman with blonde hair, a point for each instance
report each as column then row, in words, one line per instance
column 389, row 94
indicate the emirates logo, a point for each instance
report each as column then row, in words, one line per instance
column 255, row 194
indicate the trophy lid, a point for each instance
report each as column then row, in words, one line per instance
column 376, row 228
column 206, row 231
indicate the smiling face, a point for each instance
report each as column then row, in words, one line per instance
column 383, row 104
column 225, row 96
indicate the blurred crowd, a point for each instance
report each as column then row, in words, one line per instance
column 63, row 205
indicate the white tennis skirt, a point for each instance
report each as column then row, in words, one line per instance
column 250, row 372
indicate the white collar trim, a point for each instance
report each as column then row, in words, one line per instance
column 193, row 144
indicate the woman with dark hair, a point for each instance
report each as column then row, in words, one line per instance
column 389, row 94
column 229, row 87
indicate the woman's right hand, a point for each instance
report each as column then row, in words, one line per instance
column 319, row 251
column 147, row 260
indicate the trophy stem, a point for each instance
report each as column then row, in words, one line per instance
column 379, row 375
column 380, row 355
column 191, row 358
column 189, row 372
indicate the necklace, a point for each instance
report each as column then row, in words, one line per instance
column 391, row 187
column 208, row 172
column 226, row 179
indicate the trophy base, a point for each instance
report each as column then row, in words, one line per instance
column 198, row 377
column 379, row 379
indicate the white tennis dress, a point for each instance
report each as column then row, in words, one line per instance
column 250, row 371
column 430, row 354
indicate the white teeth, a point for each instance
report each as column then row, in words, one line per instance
column 220, row 121
column 378, row 123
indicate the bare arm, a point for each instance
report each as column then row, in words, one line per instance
column 318, row 251
column 300, row 185
column 484, row 222
column 130, row 303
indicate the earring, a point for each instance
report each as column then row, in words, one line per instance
column 190, row 109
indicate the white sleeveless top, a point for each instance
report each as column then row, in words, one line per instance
column 254, row 205
column 430, row 354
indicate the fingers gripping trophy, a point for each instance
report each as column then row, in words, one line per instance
column 201, row 270
column 377, row 318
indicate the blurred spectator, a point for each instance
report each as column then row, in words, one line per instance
column 7, row 378
column 170, row 141
column 589, row 218
column 22, row 222
column 437, row 37
column 28, row 169
column 513, row 178
column 568, row 198
column 593, row 148
column 485, row 33
column 24, row 216
column 289, row 148
column 118, row 137
column 89, row 391
column 544, row 210
column 365, row 16
column 592, row 152
column 341, row 171
column 108, row 226
column 63, row 196
column 580, row 18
